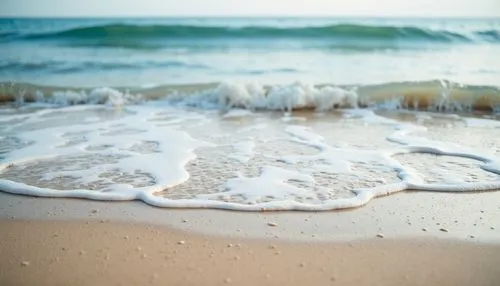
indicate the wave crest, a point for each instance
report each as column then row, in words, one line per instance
column 337, row 31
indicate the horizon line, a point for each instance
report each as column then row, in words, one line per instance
column 251, row 16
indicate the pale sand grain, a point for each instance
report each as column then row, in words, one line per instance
column 95, row 253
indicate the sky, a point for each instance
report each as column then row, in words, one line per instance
column 75, row 8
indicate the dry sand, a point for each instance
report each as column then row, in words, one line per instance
column 427, row 239
column 94, row 253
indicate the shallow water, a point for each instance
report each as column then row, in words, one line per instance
column 174, row 156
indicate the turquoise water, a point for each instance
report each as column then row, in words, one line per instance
column 158, row 51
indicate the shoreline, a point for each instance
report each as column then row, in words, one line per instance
column 458, row 216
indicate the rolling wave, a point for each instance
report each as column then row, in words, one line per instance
column 337, row 31
column 62, row 66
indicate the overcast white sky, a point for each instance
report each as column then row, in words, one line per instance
column 472, row 8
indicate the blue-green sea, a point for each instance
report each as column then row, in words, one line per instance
column 159, row 51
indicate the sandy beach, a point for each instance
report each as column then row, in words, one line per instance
column 278, row 149
column 93, row 253
column 440, row 228
column 396, row 240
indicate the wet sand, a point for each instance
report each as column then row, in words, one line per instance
column 104, row 253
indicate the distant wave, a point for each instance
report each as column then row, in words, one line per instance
column 492, row 35
column 433, row 95
column 338, row 31
column 61, row 66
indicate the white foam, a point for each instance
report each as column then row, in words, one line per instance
column 243, row 151
column 237, row 113
column 482, row 123
column 270, row 184
column 103, row 95
column 165, row 147
column 368, row 116
column 279, row 97
column 253, row 127
column 289, row 118
column 175, row 149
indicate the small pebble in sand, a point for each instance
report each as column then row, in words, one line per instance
column 229, row 245
column 443, row 229
column 82, row 252
column 227, row 280
column 236, row 257
column 25, row 263
column 424, row 229
column 471, row 236
column 94, row 211
column 144, row 255
column 273, row 224
column 380, row 235
column 138, row 248
column 302, row 264
column 492, row 227
column 181, row 242
column 272, row 246
column 184, row 220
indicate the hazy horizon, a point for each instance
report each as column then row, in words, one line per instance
column 238, row 16
column 258, row 8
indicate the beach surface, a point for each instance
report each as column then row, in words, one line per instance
column 250, row 151
column 396, row 240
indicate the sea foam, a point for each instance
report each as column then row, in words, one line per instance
column 153, row 153
column 438, row 95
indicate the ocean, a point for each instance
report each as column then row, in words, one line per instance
column 249, row 114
